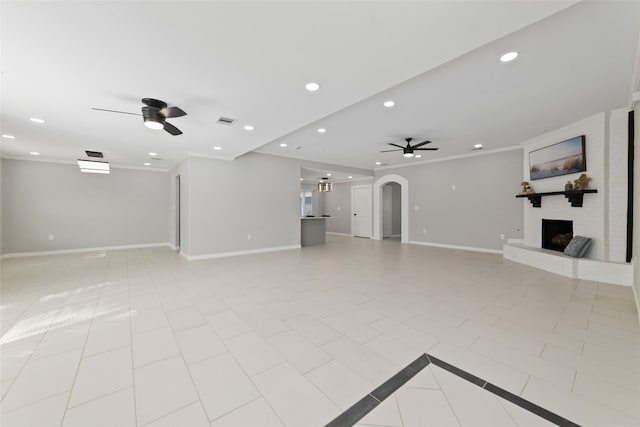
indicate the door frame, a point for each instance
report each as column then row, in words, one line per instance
column 178, row 192
column 360, row 187
column 404, row 203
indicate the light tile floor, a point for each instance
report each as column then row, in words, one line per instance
column 145, row 338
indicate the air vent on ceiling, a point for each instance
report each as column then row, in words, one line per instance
column 156, row 158
column 93, row 153
column 226, row 121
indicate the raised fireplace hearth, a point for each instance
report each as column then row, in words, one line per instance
column 556, row 234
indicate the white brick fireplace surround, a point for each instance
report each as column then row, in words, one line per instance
column 603, row 215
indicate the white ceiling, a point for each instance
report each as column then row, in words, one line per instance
column 573, row 64
column 251, row 60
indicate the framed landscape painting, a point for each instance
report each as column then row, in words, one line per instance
column 558, row 159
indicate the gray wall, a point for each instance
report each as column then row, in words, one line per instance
column 482, row 206
column 256, row 194
column 337, row 203
column 127, row 207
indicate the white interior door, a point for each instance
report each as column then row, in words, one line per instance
column 387, row 209
column 361, row 211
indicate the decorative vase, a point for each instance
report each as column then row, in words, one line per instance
column 568, row 186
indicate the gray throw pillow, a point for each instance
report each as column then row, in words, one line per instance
column 578, row 246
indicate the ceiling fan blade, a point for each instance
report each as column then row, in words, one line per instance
column 420, row 144
column 173, row 112
column 156, row 103
column 396, row 145
column 172, row 129
column 115, row 111
column 426, row 149
column 386, row 151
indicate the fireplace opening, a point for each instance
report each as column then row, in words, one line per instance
column 556, row 234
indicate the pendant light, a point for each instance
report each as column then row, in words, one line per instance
column 324, row 186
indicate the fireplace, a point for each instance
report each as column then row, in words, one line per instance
column 556, row 234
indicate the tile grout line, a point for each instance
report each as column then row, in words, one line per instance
column 84, row 346
column 133, row 369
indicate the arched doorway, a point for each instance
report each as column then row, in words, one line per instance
column 377, row 205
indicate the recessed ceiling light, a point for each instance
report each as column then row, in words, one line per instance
column 378, row 163
column 509, row 56
column 328, row 174
column 153, row 154
column 301, row 179
column 217, row 148
column 312, row 87
column 283, row 145
column 34, row 153
column 349, row 177
column 248, row 127
column 147, row 164
column 36, row 120
column 389, row 104
column 8, row 136
column 477, row 146
column 418, row 156
column 322, row 130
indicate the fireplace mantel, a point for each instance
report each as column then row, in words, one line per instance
column 574, row 197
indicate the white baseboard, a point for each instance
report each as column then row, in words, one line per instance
column 396, row 235
column 516, row 241
column 339, row 234
column 236, row 253
column 80, row 250
column 462, row 248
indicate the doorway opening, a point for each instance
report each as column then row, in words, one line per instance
column 392, row 181
column 177, row 214
column 391, row 211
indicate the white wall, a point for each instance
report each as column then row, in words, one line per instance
column 127, row 207
column 617, row 187
column 603, row 215
column 636, row 208
column 482, row 206
column 256, row 194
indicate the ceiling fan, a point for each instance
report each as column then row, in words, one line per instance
column 409, row 149
column 154, row 114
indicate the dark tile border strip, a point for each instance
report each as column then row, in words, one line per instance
column 365, row 405
column 356, row 412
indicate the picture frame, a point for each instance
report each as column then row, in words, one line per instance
column 563, row 158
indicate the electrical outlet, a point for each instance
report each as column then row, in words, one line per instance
column 248, row 236
column 338, row 208
column 51, row 237
column 416, row 207
column 424, row 231
column 453, row 186
column 502, row 237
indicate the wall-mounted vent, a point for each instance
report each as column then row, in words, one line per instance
column 97, row 154
column 226, row 121
column 156, row 158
